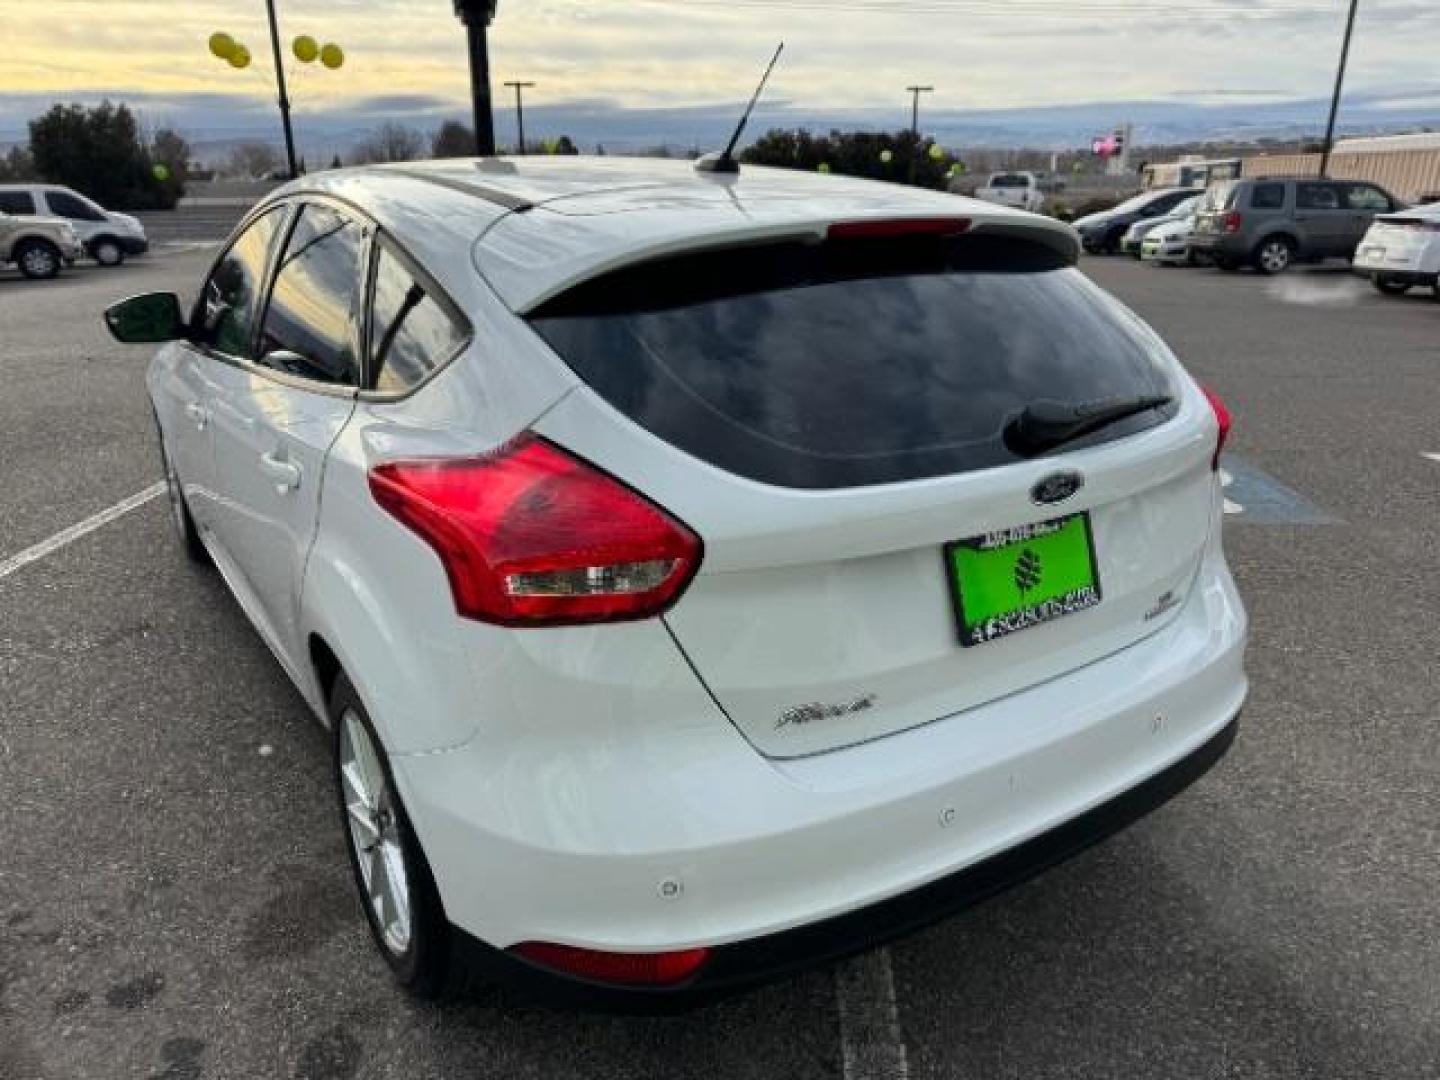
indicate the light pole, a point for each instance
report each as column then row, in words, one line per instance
column 1335, row 100
column 915, row 92
column 477, row 16
column 284, row 97
column 520, row 110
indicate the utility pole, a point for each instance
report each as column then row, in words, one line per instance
column 520, row 110
column 477, row 16
column 1335, row 100
column 284, row 97
column 915, row 92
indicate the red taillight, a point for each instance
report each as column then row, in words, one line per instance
column 1222, row 417
column 871, row 230
column 1232, row 221
column 531, row 536
column 628, row 969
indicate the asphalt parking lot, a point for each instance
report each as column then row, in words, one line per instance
column 174, row 898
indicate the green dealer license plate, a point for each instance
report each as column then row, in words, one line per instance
column 1012, row 579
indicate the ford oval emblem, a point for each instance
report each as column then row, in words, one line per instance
column 1056, row 488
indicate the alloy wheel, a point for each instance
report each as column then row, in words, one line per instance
column 1274, row 256
column 108, row 253
column 39, row 262
column 371, row 814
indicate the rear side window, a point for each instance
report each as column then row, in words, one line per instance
column 413, row 328
column 1316, row 197
column 1267, row 196
column 63, row 204
column 851, row 363
column 1010, row 180
column 312, row 325
column 1365, row 197
column 17, row 202
column 1220, row 196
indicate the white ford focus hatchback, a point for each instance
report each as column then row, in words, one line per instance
column 701, row 575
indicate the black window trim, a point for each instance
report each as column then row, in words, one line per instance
column 385, row 241
column 292, row 205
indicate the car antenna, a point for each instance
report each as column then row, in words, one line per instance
column 724, row 162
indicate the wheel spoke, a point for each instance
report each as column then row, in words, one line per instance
column 362, row 826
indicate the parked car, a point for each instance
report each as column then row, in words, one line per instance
column 1101, row 233
column 1135, row 235
column 1022, row 190
column 682, row 606
column 1272, row 222
column 39, row 246
column 108, row 236
column 1168, row 244
column 1402, row 250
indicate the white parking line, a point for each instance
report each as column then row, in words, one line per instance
column 1432, row 457
column 79, row 529
column 1230, row 507
column 870, row 1043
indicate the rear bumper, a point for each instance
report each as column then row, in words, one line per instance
column 1405, row 277
column 1233, row 245
column 742, row 964
column 649, row 833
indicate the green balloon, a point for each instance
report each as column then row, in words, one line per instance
column 823, row 167
column 937, row 152
column 161, row 172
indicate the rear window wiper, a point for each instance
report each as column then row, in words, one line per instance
column 1044, row 425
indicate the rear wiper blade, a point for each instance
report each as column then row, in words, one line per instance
column 1044, row 425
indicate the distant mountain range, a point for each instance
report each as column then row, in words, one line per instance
column 213, row 123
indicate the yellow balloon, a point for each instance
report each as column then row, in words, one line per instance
column 240, row 58
column 887, row 156
column 937, row 152
column 823, row 167
column 222, row 45
column 332, row 56
column 306, row 49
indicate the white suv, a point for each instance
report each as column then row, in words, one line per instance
column 109, row 236
column 701, row 575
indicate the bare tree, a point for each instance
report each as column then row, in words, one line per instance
column 391, row 142
column 452, row 140
column 255, row 160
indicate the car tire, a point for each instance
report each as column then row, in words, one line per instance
column 185, row 527
column 38, row 259
column 1388, row 285
column 107, row 252
column 1273, row 255
column 392, row 877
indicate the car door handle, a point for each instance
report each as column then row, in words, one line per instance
column 285, row 474
column 197, row 413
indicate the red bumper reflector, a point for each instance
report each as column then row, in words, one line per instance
column 625, row 969
column 1222, row 417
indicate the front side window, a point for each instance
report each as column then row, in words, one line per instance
column 225, row 317
column 412, row 331
column 1268, row 197
column 1365, row 197
column 1316, row 197
column 17, row 202
column 312, row 323
column 63, row 204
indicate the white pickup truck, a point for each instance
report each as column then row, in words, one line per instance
column 1018, row 189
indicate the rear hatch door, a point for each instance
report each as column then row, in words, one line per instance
column 837, row 421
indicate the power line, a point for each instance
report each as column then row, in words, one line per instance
column 1082, row 10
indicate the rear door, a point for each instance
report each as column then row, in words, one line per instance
column 276, row 416
column 841, row 424
column 1321, row 211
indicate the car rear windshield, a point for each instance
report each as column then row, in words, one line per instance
column 854, row 362
column 1220, row 196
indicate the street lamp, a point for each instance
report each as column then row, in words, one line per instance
column 477, row 16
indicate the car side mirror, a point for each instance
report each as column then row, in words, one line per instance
column 153, row 317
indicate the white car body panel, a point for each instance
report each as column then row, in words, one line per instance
column 555, row 776
column 1389, row 245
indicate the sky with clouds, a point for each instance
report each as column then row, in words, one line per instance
column 657, row 54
